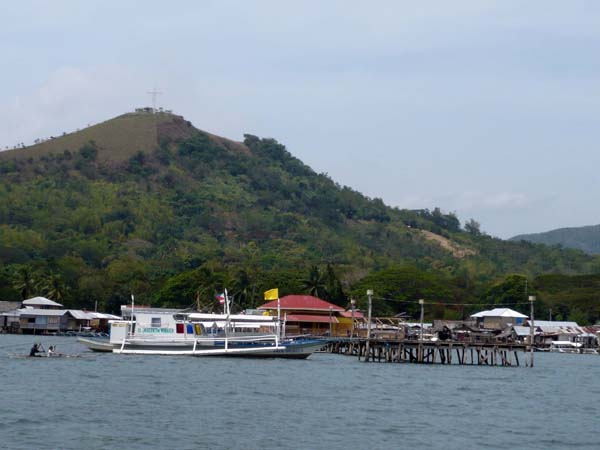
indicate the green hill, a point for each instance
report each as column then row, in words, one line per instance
column 118, row 139
column 146, row 203
column 586, row 239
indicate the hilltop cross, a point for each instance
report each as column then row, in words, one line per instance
column 154, row 93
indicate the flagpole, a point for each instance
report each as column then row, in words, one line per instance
column 227, row 312
column 278, row 317
column 273, row 294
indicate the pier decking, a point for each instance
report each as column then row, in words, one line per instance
column 431, row 352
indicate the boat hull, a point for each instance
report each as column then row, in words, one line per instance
column 288, row 349
column 96, row 345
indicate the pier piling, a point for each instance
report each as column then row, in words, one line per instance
column 429, row 352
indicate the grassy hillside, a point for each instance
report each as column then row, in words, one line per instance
column 149, row 204
column 118, row 139
column 586, row 239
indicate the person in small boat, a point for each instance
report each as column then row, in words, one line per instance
column 52, row 351
column 35, row 350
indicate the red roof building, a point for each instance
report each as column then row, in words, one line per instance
column 302, row 303
column 305, row 314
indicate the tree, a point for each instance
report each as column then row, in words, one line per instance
column 315, row 283
column 24, row 282
column 579, row 316
column 398, row 289
column 188, row 287
column 245, row 289
column 333, row 288
column 510, row 292
column 472, row 227
column 53, row 287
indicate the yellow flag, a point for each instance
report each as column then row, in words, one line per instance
column 272, row 294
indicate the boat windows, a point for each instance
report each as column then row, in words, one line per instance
column 156, row 322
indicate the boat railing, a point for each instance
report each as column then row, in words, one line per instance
column 193, row 339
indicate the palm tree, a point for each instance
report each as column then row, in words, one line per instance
column 210, row 283
column 24, row 282
column 54, row 287
column 315, row 284
column 245, row 288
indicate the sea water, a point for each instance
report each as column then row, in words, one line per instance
column 102, row 401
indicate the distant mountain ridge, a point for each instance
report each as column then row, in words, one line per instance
column 585, row 238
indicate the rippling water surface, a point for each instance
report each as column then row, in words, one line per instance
column 99, row 401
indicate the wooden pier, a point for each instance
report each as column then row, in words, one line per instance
column 431, row 352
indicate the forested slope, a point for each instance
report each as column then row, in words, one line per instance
column 586, row 239
column 174, row 214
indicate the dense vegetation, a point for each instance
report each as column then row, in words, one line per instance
column 586, row 239
column 178, row 222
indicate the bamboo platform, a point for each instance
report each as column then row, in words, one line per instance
column 429, row 352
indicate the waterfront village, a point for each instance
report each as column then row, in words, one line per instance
column 308, row 315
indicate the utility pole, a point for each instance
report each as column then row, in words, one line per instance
column 420, row 348
column 353, row 304
column 370, row 295
column 532, row 328
column 367, row 348
column 422, row 303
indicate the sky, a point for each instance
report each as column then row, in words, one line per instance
column 488, row 109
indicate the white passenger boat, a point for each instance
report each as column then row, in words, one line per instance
column 172, row 332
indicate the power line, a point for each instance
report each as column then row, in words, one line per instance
column 449, row 303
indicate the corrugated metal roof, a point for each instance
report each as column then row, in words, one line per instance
column 75, row 313
column 40, row 301
column 302, row 303
column 561, row 330
column 81, row 315
column 9, row 306
column 41, row 312
column 525, row 331
column 554, row 323
column 500, row 312
column 97, row 315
